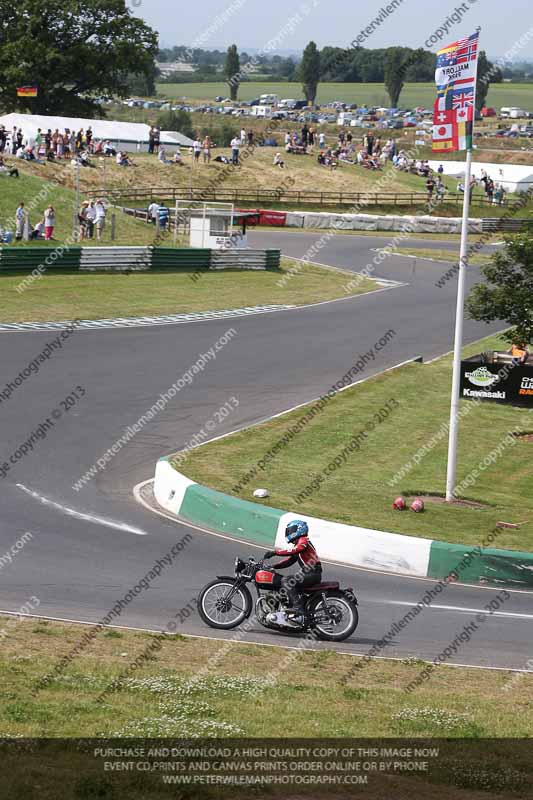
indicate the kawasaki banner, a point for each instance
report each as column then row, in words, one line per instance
column 482, row 382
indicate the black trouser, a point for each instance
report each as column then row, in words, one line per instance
column 293, row 584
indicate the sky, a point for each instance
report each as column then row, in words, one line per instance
column 215, row 24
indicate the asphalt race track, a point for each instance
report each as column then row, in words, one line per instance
column 91, row 546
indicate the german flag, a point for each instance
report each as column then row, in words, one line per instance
column 27, row 91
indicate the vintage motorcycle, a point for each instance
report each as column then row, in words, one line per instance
column 329, row 611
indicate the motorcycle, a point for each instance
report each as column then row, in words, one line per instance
column 329, row 611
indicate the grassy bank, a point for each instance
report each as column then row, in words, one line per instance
column 162, row 698
column 35, row 187
column 60, row 296
column 361, row 491
column 173, row 695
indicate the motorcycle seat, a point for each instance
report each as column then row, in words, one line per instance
column 321, row 587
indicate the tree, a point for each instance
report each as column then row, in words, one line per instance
column 232, row 70
column 71, row 51
column 394, row 73
column 180, row 121
column 487, row 73
column 309, row 72
column 508, row 293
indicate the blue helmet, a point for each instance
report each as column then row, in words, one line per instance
column 295, row 530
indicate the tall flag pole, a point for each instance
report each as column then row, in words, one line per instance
column 453, row 122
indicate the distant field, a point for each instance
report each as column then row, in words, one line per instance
column 413, row 94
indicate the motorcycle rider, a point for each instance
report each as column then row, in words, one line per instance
column 303, row 552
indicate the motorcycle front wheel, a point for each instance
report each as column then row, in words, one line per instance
column 223, row 606
column 335, row 621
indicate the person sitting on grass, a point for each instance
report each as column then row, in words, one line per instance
column 161, row 156
column 177, row 158
column 12, row 172
column 278, row 161
column 123, row 160
column 38, row 230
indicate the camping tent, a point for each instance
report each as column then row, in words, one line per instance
column 129, row 136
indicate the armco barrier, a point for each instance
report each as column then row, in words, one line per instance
column 346, row 544
column 134, row 258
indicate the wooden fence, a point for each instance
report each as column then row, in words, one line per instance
column 260, row 197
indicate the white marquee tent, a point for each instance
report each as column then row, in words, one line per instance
column 513, row 177
column 129, row 136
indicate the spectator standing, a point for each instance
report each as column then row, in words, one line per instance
column 322, row 140
column 82, row 219
column 49, row 222
column 3, row 138
column 243, row 137
column 440, row 169
column 163, row 213
column 14, row 143
column 157, row 137
column 20, row 137
column 89, row 137
column 48, row 141
column 235, row 149
column 305, row 134
column 430, row 187
column 489, row 188
column 250, row 137
column 90, row 219
column 153, row 210
column 197, row 149
column 21, row 216
column 151, row 139
column 207, row 147
column 100, row 218
column 440, row 189
column 311, row 137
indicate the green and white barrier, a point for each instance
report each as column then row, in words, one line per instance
column 345, row 544
column 134, row 259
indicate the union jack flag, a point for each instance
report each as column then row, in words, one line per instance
column 462, row 100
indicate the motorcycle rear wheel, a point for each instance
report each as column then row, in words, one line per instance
column 346, row 617
column 219, row 613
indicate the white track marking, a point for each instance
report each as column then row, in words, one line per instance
column 463, row 609
column 258, row 644
column 160, row 512
column 71, row 512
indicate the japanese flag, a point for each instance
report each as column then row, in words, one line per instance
column 442, row 131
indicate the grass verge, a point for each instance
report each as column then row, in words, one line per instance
column 163, row 699
column 60, row 296
column 361, row 491
column 440, row 255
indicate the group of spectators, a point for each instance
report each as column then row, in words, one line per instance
column 92, row 216
column 43, row 229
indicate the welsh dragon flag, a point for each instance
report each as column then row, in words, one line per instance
column 453, row 112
